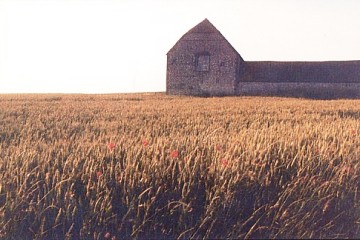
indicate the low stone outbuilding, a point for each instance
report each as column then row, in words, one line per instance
column 204, row 63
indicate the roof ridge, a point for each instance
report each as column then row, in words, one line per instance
column 200, row 26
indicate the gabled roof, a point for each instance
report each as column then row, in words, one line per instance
column 205, row 27
column 312, row 72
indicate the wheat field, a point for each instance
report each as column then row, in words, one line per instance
column 130, row 166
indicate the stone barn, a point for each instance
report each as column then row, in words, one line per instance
column 204, row 63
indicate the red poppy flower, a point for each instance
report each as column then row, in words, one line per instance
column 98, row 174
column 218, row 147
column 145, row 143
column 111, row 146
column 174, row 154
column 224, row 162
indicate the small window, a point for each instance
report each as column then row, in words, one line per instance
column 203, row 62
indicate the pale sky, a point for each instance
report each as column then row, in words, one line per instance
column 113, row 46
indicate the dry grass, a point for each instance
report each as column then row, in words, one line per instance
column 156, row 166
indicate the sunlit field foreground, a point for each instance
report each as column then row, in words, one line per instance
column 157, row 166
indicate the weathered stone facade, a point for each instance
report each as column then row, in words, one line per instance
column 203, row 62
column 301, row 89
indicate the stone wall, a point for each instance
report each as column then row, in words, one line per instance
column 300, row 89
column 183, row 75
column 220, row 79
column 324, row 80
